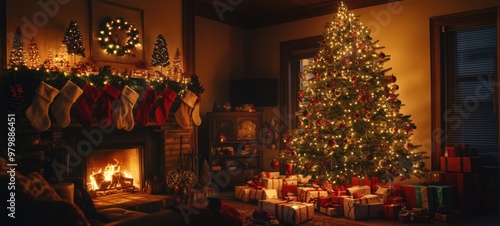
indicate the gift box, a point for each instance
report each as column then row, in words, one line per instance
column 444, row 217
column 289, row 188
column 363, row 208
column 287, row 212
column 391, row 211
column 419, row 211
column 460, row 164
column 267, row 174
column 460, row 150
column 417, row 196
column 242, row 193
column 273, row 183
column 333, row 210
column 362, row 190
column 328, row 201
column 383, row 193
column 263, row 194
column 309, row 194
column 465, row 185
column 442, row 195
column 356, row 181
column 394, row 200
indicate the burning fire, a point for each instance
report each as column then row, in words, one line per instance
column 111, row 177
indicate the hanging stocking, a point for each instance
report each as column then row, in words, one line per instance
column 84, row 105
column 102, row 112
column 38, row 111
column 141, row 116
column 196, row 112
column 61, row 107
column 183, row 114
column 162, row 111
column 122, row 113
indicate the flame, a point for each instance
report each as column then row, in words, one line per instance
column 108, row 172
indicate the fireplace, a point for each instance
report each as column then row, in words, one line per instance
column 113, row 170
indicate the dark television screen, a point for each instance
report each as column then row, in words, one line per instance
column 260, row 92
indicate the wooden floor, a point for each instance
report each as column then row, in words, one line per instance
column 490, row 219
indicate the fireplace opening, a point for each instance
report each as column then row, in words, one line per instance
column 113, row 170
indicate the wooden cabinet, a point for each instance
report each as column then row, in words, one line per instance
column 235, row 146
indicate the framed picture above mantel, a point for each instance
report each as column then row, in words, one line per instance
column 123, row 41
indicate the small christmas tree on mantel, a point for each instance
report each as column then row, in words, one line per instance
column 349, row 124
column 18, row 52
column 160, row 53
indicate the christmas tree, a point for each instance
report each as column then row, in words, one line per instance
column 176, row 72
column 160, row 53
column 33, row 54
column 17, row 53
column 73, row 40
column 349, row 124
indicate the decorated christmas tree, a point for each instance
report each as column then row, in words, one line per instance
column 160, row 53
column 73, row 40
column 176, row 71
column 349, row 120
column 33, row 54
column 18, row 52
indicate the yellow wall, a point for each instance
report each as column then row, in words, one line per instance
column 50, row 21
column 402, row 27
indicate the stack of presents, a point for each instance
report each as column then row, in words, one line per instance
column 295, row 199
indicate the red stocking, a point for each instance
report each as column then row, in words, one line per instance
column 84, row 104
column 162, row 111
column 142, row 113
column 102, row 112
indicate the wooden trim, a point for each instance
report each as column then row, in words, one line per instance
column 3, row 34
column 257, row 21
column 188, row 31
column 291, row 51
column 448, row 22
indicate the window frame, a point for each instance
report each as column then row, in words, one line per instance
column 452, row 21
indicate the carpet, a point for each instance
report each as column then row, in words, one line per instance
column 319, row 219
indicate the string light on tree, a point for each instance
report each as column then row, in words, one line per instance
column 160, row 55
column 73, row 40
column 17, row 52
column 347, row 86
column 33, row 60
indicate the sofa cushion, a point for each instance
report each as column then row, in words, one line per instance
column 83, row 200
column 34, row 186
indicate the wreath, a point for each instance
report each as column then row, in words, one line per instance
column 109, row 38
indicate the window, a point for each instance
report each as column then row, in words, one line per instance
column 464, row 73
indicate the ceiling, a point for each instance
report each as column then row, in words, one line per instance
column 250, row 14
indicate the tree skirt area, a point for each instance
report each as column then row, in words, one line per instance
column 246, row 210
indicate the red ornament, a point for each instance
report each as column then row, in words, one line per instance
column 332, row 142
column 381, row 55
column 319, row 122
column 275, row 164
column 369, row 156
column 357, row 116
column 392, row 79
column 401, row 178
column 293, row 153
column 305, row 113
column 288, row 169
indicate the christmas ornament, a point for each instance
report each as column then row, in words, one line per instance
column 275, row 164
column 62, row 104
column 84, row 105
column 102, row 111
column 122, row 113
column 163, row 109
column 288, row 169
column 109, row 41
column 38, row 112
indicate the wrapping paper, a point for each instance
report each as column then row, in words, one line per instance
column 356, row 181
column 383, row 193
column 263, row 194
column 309, row 194
column 394, row 200
column 288, row 212
column 442, row 195
column 466, row 185
column 461, row 164
column 335, row 210
column 364, row 190
column 242, row 193
column 391, row 211
column 289, row 188
column 418, row 196
column 273, row 183
column 357, row 209
column 267, row 174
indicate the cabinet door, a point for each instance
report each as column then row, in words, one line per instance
column 247, row 128
column 223, row 126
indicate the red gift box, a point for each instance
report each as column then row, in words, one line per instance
column 356, row 181
column 418, row 196
column 394, row 200
column 391, row 211
column 466, row 184
column 460, row 164
column 289, row 188
column 460, row 150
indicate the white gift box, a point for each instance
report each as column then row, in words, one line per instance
column 288, row 212
column 362, row 190
column 369, row 206
column 273, row 183
column 242, row 193
column 307, row 194
column 263, row 194
column 383, row 193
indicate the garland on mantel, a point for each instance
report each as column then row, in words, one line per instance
column 21, row 80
